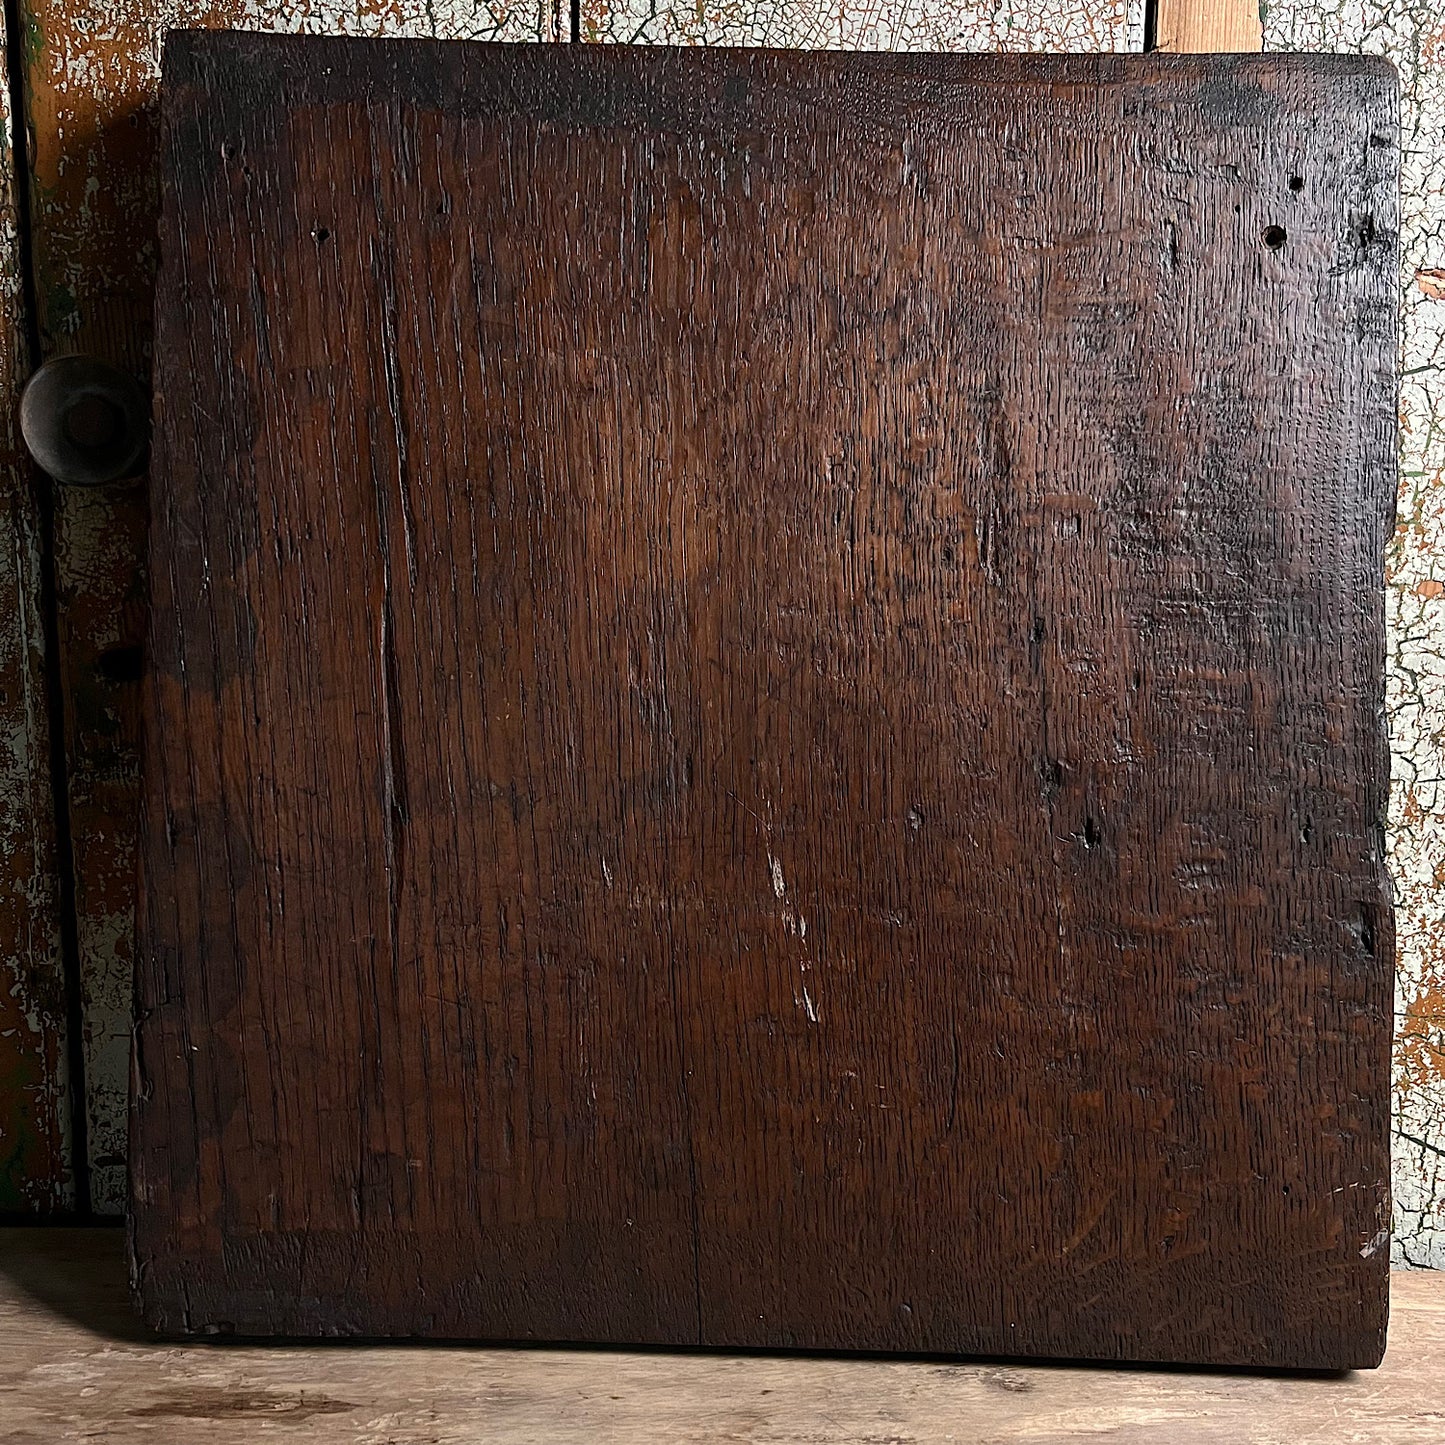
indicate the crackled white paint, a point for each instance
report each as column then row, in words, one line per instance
column 1082, row 25
column 1412, row 34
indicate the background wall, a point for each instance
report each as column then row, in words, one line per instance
column 89, row 70
column 1412, row 34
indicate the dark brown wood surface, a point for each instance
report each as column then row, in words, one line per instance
column 764, row 720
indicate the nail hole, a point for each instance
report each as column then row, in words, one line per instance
column 1051, row 776
column 1363, row 928
column 1296, row 183
column 1274, row 237
column 122, row 664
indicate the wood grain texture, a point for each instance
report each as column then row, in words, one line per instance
column 72, row 1367
column 765, row 714
column 91, row 79
column 35, row 1164
column 1193, row 27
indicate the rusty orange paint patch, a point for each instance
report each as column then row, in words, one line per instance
column 1431, row 283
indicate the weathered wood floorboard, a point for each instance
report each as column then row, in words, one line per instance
column 73, row 1367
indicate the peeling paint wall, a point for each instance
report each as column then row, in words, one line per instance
column 34, row 1110
column 1083, row 25
column 1412, row 34
column 93, row 68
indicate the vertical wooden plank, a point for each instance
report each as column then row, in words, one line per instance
column 35, row 1175
column 1203, row 26
column 91, row 78
column 959, row 25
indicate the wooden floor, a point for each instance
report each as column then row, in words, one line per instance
column 74, row 1366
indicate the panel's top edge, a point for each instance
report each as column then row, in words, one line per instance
column 185, row 44
column 252, row 74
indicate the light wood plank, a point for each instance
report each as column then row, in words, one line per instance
column 1203, row 26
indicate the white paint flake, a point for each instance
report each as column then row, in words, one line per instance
column 775, row 870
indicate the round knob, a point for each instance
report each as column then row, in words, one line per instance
column 84, row 421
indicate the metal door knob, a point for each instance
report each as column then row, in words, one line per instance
column 84, row 421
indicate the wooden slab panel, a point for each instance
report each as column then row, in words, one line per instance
column 765, row 710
